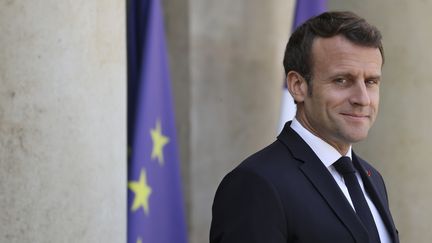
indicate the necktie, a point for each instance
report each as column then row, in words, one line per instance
column 345, row 167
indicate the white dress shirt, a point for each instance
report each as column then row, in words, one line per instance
column 328, row 155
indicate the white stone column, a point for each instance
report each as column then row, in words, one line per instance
column 237, row 75
column 62, row 121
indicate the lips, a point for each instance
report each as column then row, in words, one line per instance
column 355, row 116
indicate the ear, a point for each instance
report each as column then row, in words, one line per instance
column 297, row 86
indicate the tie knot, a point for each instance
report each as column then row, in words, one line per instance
column 344, row 165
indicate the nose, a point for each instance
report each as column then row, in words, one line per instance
column 360, row 95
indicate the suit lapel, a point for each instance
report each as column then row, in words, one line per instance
column 370, row 181
column 323, row 181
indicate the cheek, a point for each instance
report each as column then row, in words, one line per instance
column 335, row 101
column 375, row 100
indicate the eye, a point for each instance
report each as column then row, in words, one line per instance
column 371, row 82
column 340, row 81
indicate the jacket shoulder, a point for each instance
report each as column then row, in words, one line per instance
column 272, row 157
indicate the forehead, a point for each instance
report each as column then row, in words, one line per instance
column 337, row 52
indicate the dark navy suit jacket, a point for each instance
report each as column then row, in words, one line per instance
column 284, row 193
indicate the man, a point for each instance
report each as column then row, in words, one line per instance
column 309, row 186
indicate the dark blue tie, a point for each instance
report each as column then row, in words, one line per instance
column 345, row 167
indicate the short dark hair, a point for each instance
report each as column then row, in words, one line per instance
column 354, row 28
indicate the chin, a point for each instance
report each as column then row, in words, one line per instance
column 356, row 135
column 355, row 138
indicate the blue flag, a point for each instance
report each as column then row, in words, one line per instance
column 304, row 10
column 155, row 205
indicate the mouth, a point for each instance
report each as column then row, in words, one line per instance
column 355, row 117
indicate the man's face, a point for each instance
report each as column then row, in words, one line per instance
column 342, row 100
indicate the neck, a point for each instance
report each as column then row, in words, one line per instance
column 342, row 148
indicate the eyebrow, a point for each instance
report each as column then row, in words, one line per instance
column 374, row 77
column 350, row 76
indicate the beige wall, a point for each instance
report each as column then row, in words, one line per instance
column 400, row 142
column 62, row 121
column 236, row 79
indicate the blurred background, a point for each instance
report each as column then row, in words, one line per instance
column 63, row 92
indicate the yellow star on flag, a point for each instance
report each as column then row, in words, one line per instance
column 159, row 141
column 142, row 193
column 139, row 240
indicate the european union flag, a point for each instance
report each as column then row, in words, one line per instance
column 155, row 208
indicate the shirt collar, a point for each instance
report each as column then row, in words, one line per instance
column 325, row 152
